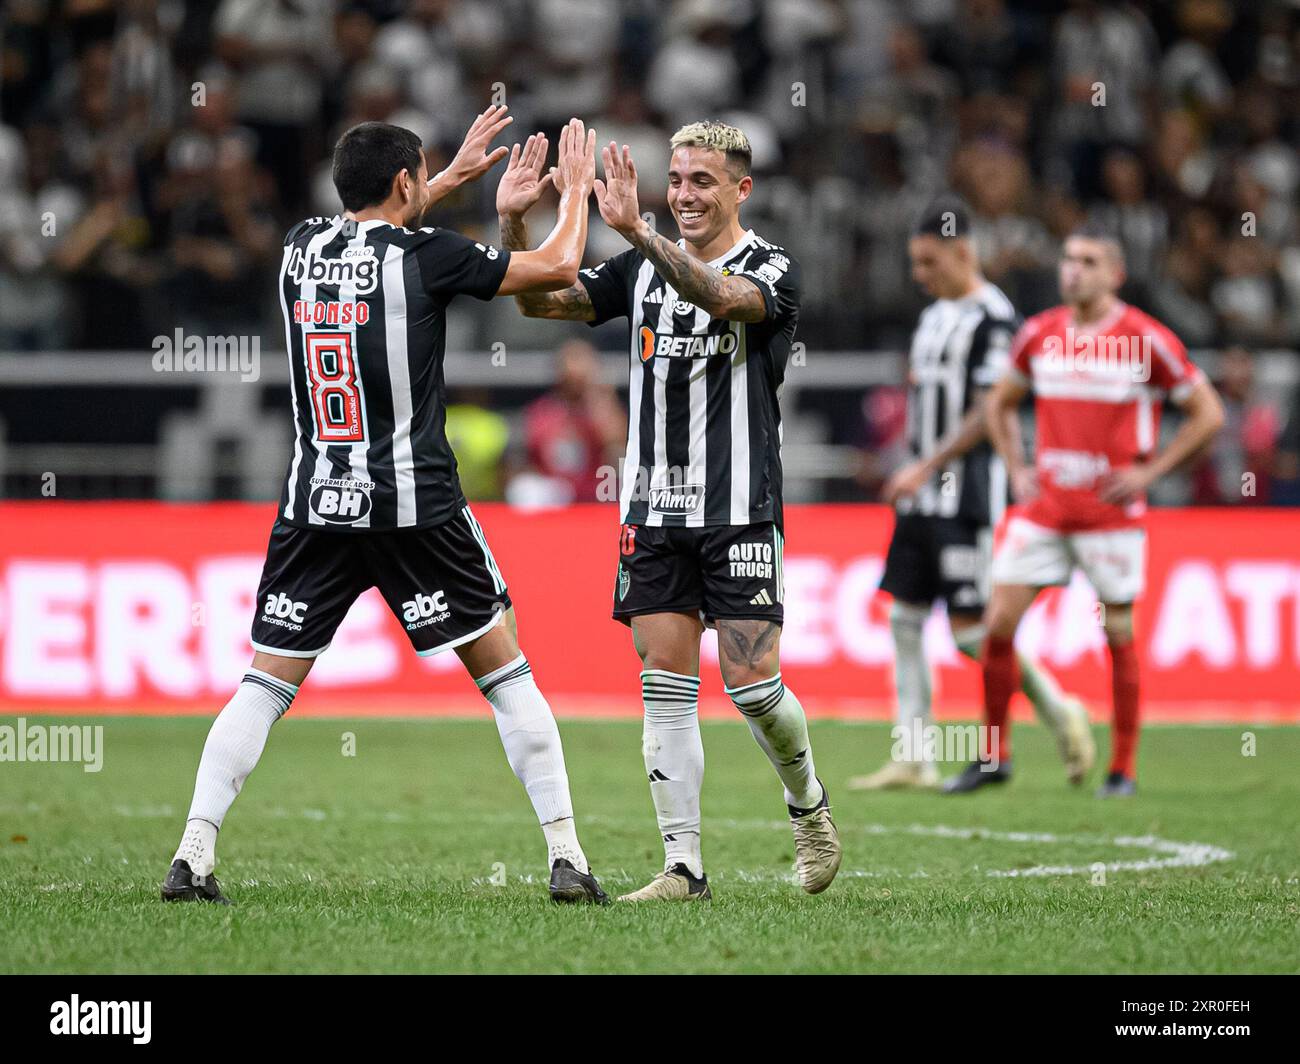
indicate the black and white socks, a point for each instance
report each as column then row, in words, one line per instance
column 674, row 762
column 777, row 722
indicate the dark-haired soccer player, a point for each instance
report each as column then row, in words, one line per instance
column 712, row 320
column 372, row 498
column 1100, row 371
column 952, row 494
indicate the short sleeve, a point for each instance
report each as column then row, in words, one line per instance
column 1171, row 369
column 779, row 279
column 451, row 265
column 990, row 351
column 1022, row 346
column 608, row 288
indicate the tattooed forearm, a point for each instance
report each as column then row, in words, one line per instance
column 514, row 233
column 571, row 304
column 747, row 643
column 733, row 298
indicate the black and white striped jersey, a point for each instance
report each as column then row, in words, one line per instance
column 364, row 308
column 960, row 346
column 704, row 424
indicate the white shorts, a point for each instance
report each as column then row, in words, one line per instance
column 1113, row 559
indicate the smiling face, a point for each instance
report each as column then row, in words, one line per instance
column 704, row 194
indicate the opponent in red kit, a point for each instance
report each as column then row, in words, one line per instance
column 1100, row 371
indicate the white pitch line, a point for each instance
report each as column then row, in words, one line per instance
column 1168, row 853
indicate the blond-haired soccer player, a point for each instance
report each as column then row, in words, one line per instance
column 712, row 319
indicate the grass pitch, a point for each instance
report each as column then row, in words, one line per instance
column 420, row 853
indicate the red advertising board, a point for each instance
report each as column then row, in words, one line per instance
column 145, row 607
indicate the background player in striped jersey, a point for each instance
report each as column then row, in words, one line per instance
column 712, row 320
column 372, row 498
column 949, row 497
column 1099, row 370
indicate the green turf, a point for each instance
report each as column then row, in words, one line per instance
column 384, row 862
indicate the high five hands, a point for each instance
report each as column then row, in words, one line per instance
column 524, row 182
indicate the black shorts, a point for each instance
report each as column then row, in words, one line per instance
column 939, row 557
column 441, row 583
column 731, row 572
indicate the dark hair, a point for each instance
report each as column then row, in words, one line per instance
column 367, row 158
column 946, row 217
column 1097, row 231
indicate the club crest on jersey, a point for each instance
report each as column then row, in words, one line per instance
column 338, row 501
column 677, row 500
column 355, row 266
column 669, row 346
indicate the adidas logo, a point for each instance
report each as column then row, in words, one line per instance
column 658, row 777
column 761, row 599
column 657, row 296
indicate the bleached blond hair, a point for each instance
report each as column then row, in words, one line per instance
column 720, row 137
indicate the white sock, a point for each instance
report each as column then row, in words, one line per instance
column 532, row 744
column 778, row 723
column 912, row 680
column 1038, row 685
column 234, row 744
column 674, row 762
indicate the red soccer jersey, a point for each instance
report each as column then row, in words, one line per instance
column 1098, row 391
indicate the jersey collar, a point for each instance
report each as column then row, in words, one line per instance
column 746, row 238
column 1105, row 324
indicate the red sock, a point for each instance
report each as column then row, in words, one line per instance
column 1124, row 696
column 1001, row 681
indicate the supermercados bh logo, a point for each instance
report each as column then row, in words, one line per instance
column 676, row 500
column 339, row 500
column 353, row 266
column 670, row 346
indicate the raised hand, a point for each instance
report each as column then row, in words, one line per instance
column 577, row 161
column 472, row 159
column 616, row 195
column 523, row 182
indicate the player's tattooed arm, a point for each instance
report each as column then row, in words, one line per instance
column 729, row 298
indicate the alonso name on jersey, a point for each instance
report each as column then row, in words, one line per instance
column 364, row 308
column 704, row 425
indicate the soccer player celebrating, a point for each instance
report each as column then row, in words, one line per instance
column 1099, row 370
column 949, row 497
column 372, row 496
column 712, row 321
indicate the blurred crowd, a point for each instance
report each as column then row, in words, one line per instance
column 152, row 152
